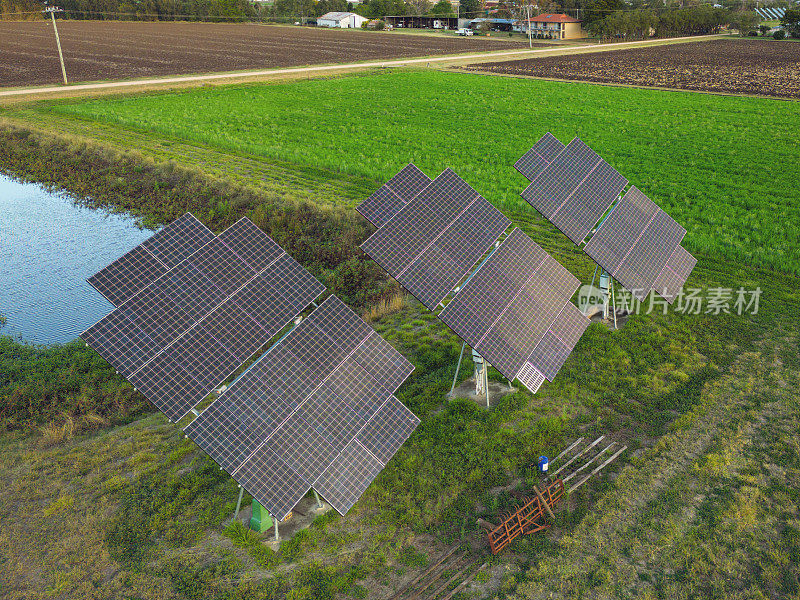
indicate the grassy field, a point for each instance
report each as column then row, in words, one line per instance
column 705, row 502
column 731, row 153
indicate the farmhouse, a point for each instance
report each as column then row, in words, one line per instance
column 344, row 20
column 554, row 26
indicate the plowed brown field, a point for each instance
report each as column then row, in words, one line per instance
column 739, row 66
column 98, row 50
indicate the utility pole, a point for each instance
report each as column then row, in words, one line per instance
column 53, row 10
column 528, row 11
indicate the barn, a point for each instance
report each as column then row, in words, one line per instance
column 345, row 20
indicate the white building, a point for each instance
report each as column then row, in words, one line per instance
column 344, row 20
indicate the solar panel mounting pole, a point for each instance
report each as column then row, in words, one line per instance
column 319, row 502
column 238, row 503
column 458, row 368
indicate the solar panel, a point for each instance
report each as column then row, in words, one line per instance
column 278, row 294
column 274, row 483
column 149, row 260
column 509, row 304
column 538, row 157
column 530, row 377
column 635, row 242
column 127, row 275
column 433, row 241
column 387, row 201
column 251, row 244
column 674, row 274
column 194, row 319
column 306, row 399
column 575, row 189
column 557, row 344
column 388, row 429
column 169, row 386
column 348, row 476
column 178, row 240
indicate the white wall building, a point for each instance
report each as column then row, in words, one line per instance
column 344, row 20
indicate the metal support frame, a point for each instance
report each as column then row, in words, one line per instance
column 238, row 503
column 458, row 368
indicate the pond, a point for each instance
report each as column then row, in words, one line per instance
column 49, row 245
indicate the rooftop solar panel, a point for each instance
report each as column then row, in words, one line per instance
column 306, row 399
column 387, row 201
column 507, row 307
column 537, row 158
column 435, row 239
column 148, row 261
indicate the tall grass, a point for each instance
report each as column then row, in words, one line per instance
column 719, row 165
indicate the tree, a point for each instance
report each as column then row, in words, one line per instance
column 743, row 21
column 779, row 35
column 764, row 29
column 597, row 10
column 443, row 8
column 470, row 9
column 791, row 21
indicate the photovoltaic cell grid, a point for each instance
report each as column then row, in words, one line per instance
column 189, row 329
column 635, row 243
column 136, row 269
column 387, row 201
column 512, row 303
column 575, row 190
column 558, row 343
column 435, row 239
column 320, row 402
column 538, row 157
column 674, row 275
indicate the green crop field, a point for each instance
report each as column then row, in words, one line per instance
column 720, row 165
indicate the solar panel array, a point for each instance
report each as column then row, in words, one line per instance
column 771, row 13
column 537, row 158
column 317, row 410
column 186, row 331
column 516, row 311
column 387, row 201
column 136, row 269
column 434, row 240
column 637, row 242
column 575, row 189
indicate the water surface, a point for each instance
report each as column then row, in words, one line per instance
column 49, row 245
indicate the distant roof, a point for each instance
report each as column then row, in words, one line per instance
column 337, row 16
column 554, row 18
column 481, row 20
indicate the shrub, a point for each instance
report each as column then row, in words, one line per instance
column 779, row 35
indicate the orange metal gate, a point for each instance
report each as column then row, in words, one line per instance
column 529, row 518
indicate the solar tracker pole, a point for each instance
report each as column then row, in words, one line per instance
column 277, row 535
column 458, row 368
column 238, row 503
column 486, row 381
column 316, row 496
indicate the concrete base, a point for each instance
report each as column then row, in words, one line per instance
column 596, row 316
column 466, row 389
